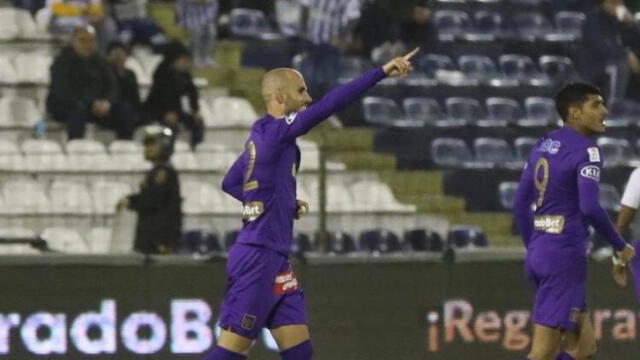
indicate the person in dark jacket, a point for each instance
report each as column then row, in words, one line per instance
column 171, row 81
column 83, row 89
column 126, row 80
column 158, row 203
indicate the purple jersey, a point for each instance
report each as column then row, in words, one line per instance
column 263, row 177
column 562, row 179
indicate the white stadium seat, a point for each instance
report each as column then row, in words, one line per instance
column 70, row 198
column 64, row 240
column 24, row 196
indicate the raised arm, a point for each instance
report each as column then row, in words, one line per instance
column 522, row 211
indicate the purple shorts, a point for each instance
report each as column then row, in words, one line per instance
column 262, row 291
column 559, row 280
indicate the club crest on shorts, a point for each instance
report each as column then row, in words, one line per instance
column 248, row 322
column 574, row 315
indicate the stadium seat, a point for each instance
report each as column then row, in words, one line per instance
column 105, row 196
column 465, row 110
column 64, row 240
column 68, row 197
column 609, row 197
column 10, row 156
column 8, row 74
column 198, row 242
column 99, row 240
column 570, row 22
column 522, row 68
column 184, row 160
column 621, row 113
column 340, row 243
column 231, row 111
column 507, row 193
column 422, row 240
column 429, row 112
column 430, row 64
column 379, row 241
column 8, row 24
column 540, row 112
column 43, row 155
column 532, row 25
column 301, row 243
column 615, row 151
column 372, row 196
column 351, row 67
column 339, row 198
column 558, row 69
column 450, row 152
column 483, row 69
column 87, row 154
column 489, row 22
column 128, row 155
column 494, row 151
column 523, row 147
column 32, row 68
column 381, row 111
column 149, row 61
column 463, row 236
column 501, row 112
column 27, row 27
column 250, row 23
column 17, row 233
column 19, row 111
column 214, row 156
column 143, row 77
column 452, row 24
column 200, row 198
column 24, row 196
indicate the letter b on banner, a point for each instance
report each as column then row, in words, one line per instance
column 189, row 330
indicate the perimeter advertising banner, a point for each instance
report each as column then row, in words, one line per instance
column 357, row 311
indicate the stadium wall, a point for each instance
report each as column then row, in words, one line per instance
column 132, row 308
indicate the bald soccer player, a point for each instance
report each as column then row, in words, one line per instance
column 561, row 179
column 263, row 290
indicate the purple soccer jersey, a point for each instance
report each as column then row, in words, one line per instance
column 263, row 176
column 561, row 180
column 263, row 290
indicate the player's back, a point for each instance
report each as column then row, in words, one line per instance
column 557, row 161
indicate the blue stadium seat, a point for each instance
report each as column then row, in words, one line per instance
column 340, row 243
column 463, row 236
column 430, row 64
column 609, row 197
column 452, row 24
column 523, row 147
column 464, row 109
column 493, row 150
column 478, row 67
column 621, row 113
column 570, row 22
column 507, row 193
column 532, row 25
column 502, row 112
column 559, row 69
column 523, row 69
column 489, row 22
column 301, row 243
column 198, row 242
column 450, row 152
column 615, row 151
column 540, row 112
column 230, row 239
column 352, row 67
column 381, row 111
column 428, row 111
column 379, row 240
column 251, row 23
column 422, row 240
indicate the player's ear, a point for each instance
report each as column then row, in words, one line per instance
column 279, row 96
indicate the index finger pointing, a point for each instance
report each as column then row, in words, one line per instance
column 411, row 54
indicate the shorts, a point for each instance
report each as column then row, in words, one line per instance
column 262, row 291
column 559, row 281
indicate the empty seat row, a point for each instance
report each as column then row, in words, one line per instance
column 19, row 24
column 507, row 70
column 490, row 25
column 609, row 196
column 460, row 111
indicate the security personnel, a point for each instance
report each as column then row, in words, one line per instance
column 158, row 202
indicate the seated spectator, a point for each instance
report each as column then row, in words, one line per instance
column 83, row 89
column 199, row 18
column 126, row 81
column 419, row 29
column 30, row 5
column 172, row 80
column 134, row 24
column 67, row 15
column 609, row 36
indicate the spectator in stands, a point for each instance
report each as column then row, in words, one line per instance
column 608, row 35
column 83, row 89
column 376, row 26
column 419, row 29
column 126, row 80
column 31, row 5
column 66, row 15
column 158, row 203
column 329, row 29
column 134, row 24
column 199, row 18
column 172, row 80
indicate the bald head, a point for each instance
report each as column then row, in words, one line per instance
column 83, row 40
column 280, row 79
column 284, row 91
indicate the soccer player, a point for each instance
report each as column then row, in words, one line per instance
column 561, row 180
column 263, row 290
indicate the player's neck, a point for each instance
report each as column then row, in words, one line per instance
column 276, row 111
column 580, row 130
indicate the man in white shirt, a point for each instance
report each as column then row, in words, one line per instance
column 630, row 203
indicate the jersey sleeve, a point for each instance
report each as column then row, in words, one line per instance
column 298, row 124
column 588, row 170
column 522, row 210
column 232, row 182
column 631, row 196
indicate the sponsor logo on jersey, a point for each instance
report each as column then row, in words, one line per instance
column 252, row 210
column 594, row 154
column 551, row 146
column 591, row 172
column 552, row 224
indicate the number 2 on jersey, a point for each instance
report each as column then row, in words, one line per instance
column 541, row 179
column 248, row 183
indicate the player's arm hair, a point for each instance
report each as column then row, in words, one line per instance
column 233, row 180
column 588, row 191
column 334, row 101
column 624, row 219
column 522, row 212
